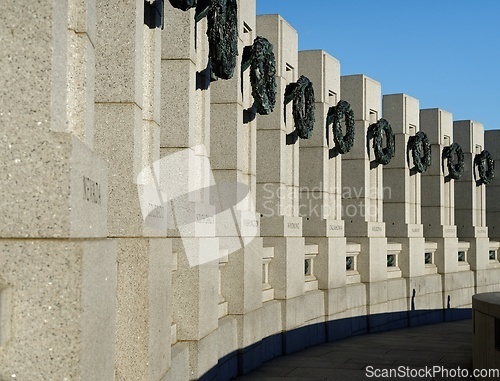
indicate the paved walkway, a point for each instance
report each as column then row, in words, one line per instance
column 447, row 345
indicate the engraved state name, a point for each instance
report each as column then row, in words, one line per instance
column 156, row 211
column 91, row 191
column 205, row 218
column 251, row 223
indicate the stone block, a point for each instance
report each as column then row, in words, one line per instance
column 119, row 66
column 314, row 306
column 314, row 206
column 313, row 173
column 124, row 156
column 143, row 320
column 249, row 328
column 56, row 187
column 239, row 282
column 180, row 363
column 69, row 288
column 228, row 150
column 33, row 84
column 331, row 253
column 271, row 318
column 178, row 119
column 323, row 71
column 285, row 41
column 82, row 17
column 364, row 95
column 179, row 35
column 227, row 336
column 397, row 290
column 152, row 74
column 335, row 301
column 438, row 125
column 358, row 296
column 80, row 87
column 234, row 190
column 195, row 290
column 376, row 294
column 372, row 261
column 425, row 292
column 202, row 356
column 402, row 112
column 292, row 313
column 286, row 270
column 458, row 288
column 271, row 156
column 469, row 134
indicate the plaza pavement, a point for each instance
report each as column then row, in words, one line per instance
column 447, row 345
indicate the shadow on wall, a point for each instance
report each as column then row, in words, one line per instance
column 252, row 357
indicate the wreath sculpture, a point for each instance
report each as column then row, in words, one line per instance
column 382, row 155
column 486, row 167
column 335, row 114
column 417, row 144
column 260, row 59
column 183, row 4
column 222, row 35
column 302, row 94
column 456, row 170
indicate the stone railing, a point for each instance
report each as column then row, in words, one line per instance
column 351, row 262
column 267, row 290
column 393, row 250
column 311, row 283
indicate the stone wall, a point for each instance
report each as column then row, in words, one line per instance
column 155, row 227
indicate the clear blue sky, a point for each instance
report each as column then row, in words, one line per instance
column 446, row 53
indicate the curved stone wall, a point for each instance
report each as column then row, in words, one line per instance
column 156, row 226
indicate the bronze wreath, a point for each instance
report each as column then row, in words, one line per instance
column 343, row 109
column 456, row 170
column 486, row 167
column 222, row 35
column 260, row 58
column 382, row 155
column 416, row 144
column 183, row 4
column 302, row 94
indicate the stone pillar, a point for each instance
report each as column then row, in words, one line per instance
column 402, row 210
column 363, row 191
column 438, row 211
column 321, row 183
column 57, row 269
column 233, row 147
column 492, row 144
column 187, row 180
column 278, row 180
column 127, row 137
column 470, row 202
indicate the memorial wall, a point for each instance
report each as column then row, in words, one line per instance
column 185, row 195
